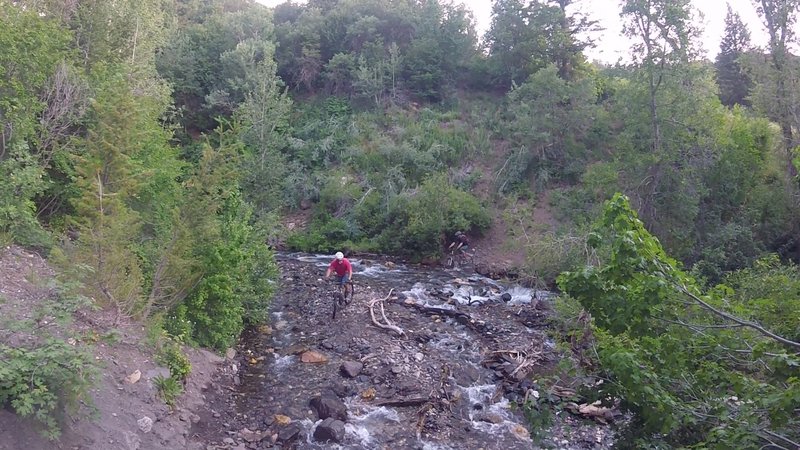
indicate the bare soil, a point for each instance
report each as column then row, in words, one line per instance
column 109, row 418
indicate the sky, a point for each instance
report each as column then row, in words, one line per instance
column 611, row 45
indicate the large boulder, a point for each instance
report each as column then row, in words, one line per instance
column 327, row 405
column 329, row 430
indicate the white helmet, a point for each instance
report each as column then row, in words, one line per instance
column 339, row 255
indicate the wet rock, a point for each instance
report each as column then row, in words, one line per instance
column 313, row 357
column 290, row 433
column 362, row 379
column 228, row 441
column 295, row 349
column 490, row 418
column 506, row 297
column 326, row 405
column 342, row 390
column 467, row 375
column 329, row 430
column 351, row 369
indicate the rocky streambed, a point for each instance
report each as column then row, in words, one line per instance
column 453, row 358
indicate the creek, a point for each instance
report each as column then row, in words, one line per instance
column 471, row 352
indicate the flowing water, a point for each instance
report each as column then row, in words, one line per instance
column 444, row 359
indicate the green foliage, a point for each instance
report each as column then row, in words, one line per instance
column 22, row 181
column 32, row 46
column 169, row 389
column 550, row 121
column 171, row 356
column 228, row 250
column 419, row 220
column 769, row 293
column 695, row 367
column 734, row 83
column 39, row 382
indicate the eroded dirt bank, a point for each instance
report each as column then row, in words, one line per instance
column 118, row 414
column 471, row 350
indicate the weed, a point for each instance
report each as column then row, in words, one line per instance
column 169, row 389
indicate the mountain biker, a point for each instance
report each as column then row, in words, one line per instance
column 461, row 242
column 343, row 269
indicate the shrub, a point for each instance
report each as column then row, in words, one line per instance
column 171, row 356
column 38, row 382
column 420, row 219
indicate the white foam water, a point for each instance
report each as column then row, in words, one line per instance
column 373, row 271
column 419, row 293
column 366, row 421
column 520, row 295
column 282, row 362
column 427, row 445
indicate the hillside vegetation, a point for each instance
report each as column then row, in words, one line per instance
column 152, row 148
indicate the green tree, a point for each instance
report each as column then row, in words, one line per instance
column 549, row 123
column 696, row 368
column 777, row 95
column 734, row 83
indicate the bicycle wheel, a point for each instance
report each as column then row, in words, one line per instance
column 348, row 293
column 337, row 300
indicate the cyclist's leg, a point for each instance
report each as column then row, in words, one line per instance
column 342, row 286
column 345, row 281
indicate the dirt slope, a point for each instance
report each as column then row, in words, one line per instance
column 116, row 406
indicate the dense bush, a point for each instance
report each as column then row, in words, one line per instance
column 419, row 220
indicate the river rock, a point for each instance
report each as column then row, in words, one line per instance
column 351, row 369
column 290, row 433
column 326, row 405
column 313, row 357
column 490, row 418
column 329, row 430
column 506, row 297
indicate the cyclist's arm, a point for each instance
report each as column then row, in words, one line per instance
column 328, row 273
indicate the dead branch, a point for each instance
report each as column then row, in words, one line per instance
column 684, row 290
column 388, row 325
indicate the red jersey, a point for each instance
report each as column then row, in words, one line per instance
column 341, row 267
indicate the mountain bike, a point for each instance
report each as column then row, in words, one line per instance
column 458, row 259
column 341, row 296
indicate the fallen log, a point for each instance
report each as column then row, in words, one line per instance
column 414, row 401
column 460, row 317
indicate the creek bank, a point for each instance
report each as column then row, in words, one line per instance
column 123, row 411
column 470, row 351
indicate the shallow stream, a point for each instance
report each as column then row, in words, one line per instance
column 449, row 364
